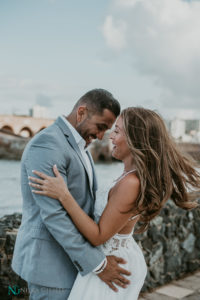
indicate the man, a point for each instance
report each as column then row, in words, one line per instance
column 49, row 250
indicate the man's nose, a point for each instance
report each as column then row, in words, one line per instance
column 100, row 135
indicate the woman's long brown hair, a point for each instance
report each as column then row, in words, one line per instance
column 164, row 172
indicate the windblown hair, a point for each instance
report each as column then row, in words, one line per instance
column 97, row 100
column 164, row 172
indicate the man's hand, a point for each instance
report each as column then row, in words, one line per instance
column 112, row 273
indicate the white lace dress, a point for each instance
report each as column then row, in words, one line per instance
column 91, row 287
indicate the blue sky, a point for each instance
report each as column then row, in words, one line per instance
column 53, row 51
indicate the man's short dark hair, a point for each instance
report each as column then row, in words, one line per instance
column 99, row 99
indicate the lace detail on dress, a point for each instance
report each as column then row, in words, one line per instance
column 116, row 242
column 101, row 202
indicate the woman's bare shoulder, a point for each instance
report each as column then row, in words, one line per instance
column 129, row 182
column 126, row 190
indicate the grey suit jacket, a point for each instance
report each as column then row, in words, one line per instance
column 49, row 250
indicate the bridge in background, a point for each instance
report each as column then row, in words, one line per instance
column 23, row 125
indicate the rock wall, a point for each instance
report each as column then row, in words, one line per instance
column 10, row 284
column 171, row 247
column 12, row 146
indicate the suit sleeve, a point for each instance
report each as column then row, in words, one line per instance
column 84, row 256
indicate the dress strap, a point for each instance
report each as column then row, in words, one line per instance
column 129, row 172
column 133, row 217
column 124, row 175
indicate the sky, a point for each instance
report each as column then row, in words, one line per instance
column 145, row 52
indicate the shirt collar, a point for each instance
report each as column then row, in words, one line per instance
column 78, row 138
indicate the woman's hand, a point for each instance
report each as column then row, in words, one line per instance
column 54, row 187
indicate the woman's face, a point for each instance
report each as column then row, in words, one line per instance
column 120, row 147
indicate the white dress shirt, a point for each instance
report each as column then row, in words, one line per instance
column 81, row 144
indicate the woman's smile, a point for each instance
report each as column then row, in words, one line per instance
column 120, row 147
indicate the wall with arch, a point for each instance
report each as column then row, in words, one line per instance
column 23, row 125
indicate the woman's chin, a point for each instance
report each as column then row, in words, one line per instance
column 115, row 156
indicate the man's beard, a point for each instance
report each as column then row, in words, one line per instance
column 84, row 132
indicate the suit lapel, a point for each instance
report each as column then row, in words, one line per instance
column 72, row 142
column 94, row 185
column 74, row 145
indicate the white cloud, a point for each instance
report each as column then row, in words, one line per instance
column 9, row 82
column 114, row 33
column 126, row 2
column 162, row 39
column 18, row 95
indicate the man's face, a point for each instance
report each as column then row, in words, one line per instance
column 92, row 126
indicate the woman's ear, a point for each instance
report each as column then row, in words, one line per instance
column 81, row 114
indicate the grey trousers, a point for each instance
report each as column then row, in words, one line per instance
column 39, row 292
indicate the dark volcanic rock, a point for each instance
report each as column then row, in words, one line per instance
column 11, row 146
column 170, row 246
column 10, row 283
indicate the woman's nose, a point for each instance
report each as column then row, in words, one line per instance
column 111, row 135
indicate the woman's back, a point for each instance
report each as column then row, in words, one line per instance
column 108, row 200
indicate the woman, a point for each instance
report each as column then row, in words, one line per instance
column 154, row 171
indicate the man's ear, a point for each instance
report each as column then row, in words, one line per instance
column 81, row 113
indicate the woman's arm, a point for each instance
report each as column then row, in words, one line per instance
column 113, row 218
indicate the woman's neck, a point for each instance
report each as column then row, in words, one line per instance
column 128, row 164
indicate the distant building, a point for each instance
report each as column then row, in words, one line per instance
column 186, row 138
column 192, row 125
column 198, row 136
column 186, row 131
column 39, row 112
column 177, row 128
column 25, row 126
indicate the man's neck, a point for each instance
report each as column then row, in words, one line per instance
column 71, row 119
